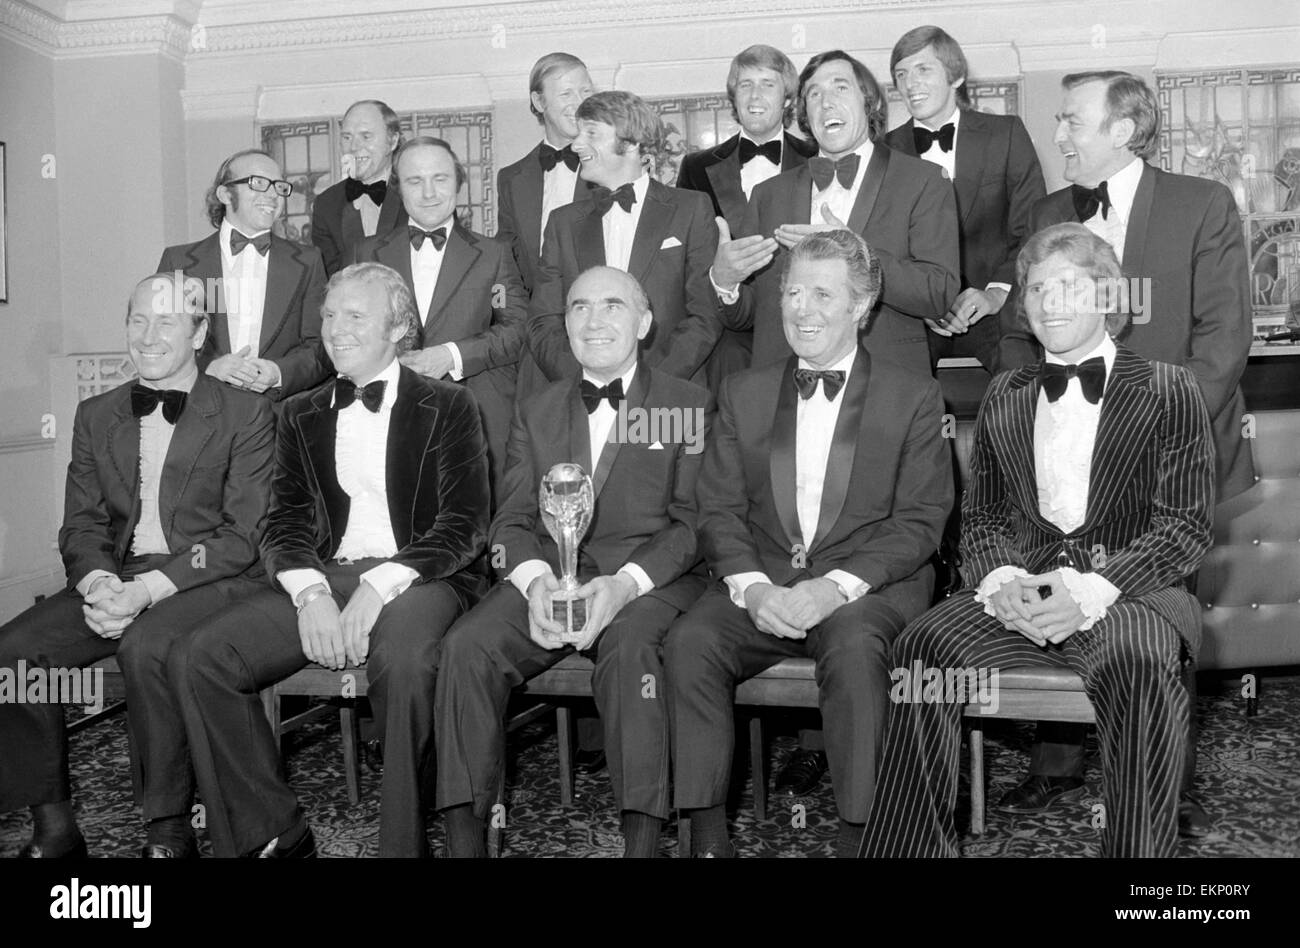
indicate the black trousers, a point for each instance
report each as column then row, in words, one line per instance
column 1129, row 662
column 53, row 635
column 488, row 652
column 255, row 643
column 715, row 645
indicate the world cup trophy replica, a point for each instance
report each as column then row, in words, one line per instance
column 567, row 500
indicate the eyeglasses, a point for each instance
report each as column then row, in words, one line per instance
column 257, row 183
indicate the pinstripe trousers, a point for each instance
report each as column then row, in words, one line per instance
column 1130, row 665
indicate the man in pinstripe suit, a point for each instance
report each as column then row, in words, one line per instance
column 1091, row 501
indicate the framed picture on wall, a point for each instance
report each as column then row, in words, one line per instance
column 4, row 274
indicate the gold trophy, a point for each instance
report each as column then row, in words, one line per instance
column 567, row 500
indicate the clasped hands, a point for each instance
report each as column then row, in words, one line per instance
column 606, row 596
column 244, row 371
column 1043, row 619
column 334, row 638
column 789, row 612
column 110, row 605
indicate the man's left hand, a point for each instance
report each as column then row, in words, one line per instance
column 813, row 600
column 606, row 596
column 357, row 619
column 971, row 306
column 1058, row 616
column 434, row 362
column 268, row 375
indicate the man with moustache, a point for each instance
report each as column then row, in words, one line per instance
column 996, row 179
column 662, row 236
column 547, row 177
column 761, row 85
column 1180, row 243
column 902, row 206
column 1092, row 449
column 166, row 501
column 379, row 512
column 824, row 489
column 360, row 205
column 637, row 562
column 263, row 293
column 471, row 304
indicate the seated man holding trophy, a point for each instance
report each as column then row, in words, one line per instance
column 622, row 540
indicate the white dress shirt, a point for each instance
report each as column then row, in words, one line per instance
column 244, row 285
column 558, row 186
column 620, row 226
column 1065, row 434
column 361, row 466
column 369, row 212
column 148, row 538
column 947, row 160
column 599, row 424
column 426, row 266
column 758, row 169
column 1121, row 188
column 815, row 421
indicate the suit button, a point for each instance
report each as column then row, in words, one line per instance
column 1255, row 541
column 1209, row 605
column 1254, row 605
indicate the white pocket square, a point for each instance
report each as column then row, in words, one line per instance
column 657, row 446
column 669, row 243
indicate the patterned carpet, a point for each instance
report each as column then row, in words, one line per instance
column 1248, row 778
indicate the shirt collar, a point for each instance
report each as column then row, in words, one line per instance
column 390, row 374
column 1105, row 349
column 954, row 121
column 626, row 377
column 1121, row 187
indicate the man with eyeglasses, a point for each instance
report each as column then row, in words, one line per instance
column 263, row 293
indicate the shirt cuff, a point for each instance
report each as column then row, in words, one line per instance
column 158, row 585
column 1004, row 287
column 643, row 582
column 727, row 296
column 522, row 576
column 852, row 587
column 457, row 367
column 294, row 581
column 390, row 580
column 739, row 582
column 995, row 581
column 1093, row 593
column 83, row 587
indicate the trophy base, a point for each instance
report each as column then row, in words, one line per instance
column 571, row 614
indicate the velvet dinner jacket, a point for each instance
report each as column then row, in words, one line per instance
column 436, row 476
column 213, row 493
column 716, row 172
column 997, row 179
column 906, row 212
column 888, row 485
column 645, row 507
column 1185, row 235
column 336, row 226
column 676, row 238
column 520, row 188
column 295, row 289
column 1150, row 492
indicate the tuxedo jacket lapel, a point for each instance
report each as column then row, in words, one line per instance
column 579, row 433
column 123, row 439
column 1135, row 235
column 904, row 140
column 391, row 212
column 194, row 428
column 799, row 198
column 350, row 222
column 972, row 151
column 282, row 272
column 1012, row 429
column 781, row 461
column 205, row 264
column 458, row 256
column 650, row 232
column 1127, row 408
column 409, row 430
column 791, row 156
column 870, row 190
column 589, row 241
column 839, row 464
column 724, row 178
column 317, row 426
column 636, row 396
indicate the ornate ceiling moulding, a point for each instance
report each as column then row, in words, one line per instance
column 58, row 39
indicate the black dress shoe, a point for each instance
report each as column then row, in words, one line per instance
column 1035, row 794
column 372, row 755
column 588, row 762
column 801, row 773
column 1193, row 821
column 305, row 848
column 162, row 851
column 37, row 851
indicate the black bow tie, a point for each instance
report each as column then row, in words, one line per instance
column 593, row 394
column 924, row 138
column 1091, row 374
column 377, row 190
column 144, row 400
column 623, row 195
column 550, row 157
column 261, row 243
column 1087, row 200
column 805, row 380
column 823, row 169
column 439, row 237
column 769, row 150
column 345, row 393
